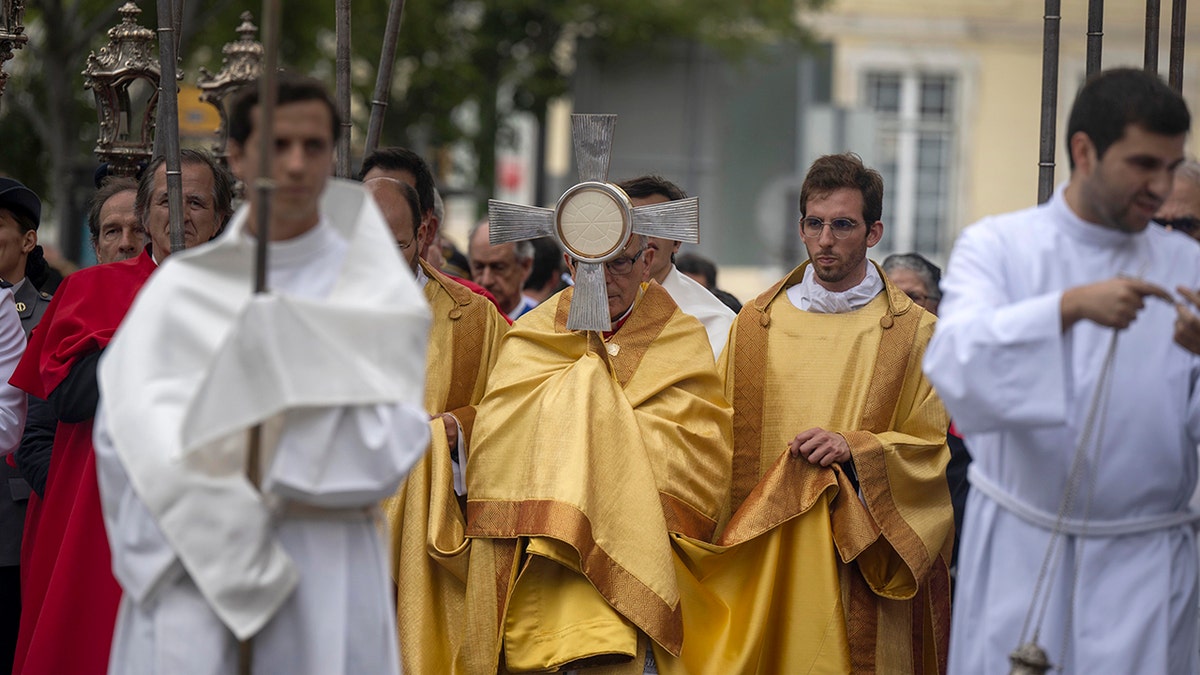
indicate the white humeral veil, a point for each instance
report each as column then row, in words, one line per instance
column 332, row 361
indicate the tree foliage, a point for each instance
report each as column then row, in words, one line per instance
column 489, row 57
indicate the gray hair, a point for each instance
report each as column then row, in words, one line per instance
column 222, row 185
column 522, row 250
column 930, row 274
column 439, row 206
column 1189, row 169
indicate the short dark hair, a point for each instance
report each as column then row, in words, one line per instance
column 222, row 185
column 1113, row 99
column 402, row 159
column 690, row 263
column 291, row 88
column 109, row 188
column 834, row 172
column 651, row 184
column 930, row 274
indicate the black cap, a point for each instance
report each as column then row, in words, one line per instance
column 14, row 196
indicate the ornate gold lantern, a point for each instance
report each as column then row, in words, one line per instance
column 242, row 64
column 12, row 33
column 123, row 77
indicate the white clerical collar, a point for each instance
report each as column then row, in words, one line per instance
column 810, row 296
column 420, row 276
column 1084, row 230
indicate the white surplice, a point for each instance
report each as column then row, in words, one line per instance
column 331, row 362
column 1019, row 389
column 693, row 298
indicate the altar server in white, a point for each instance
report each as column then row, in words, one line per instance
column 330, row 361
column 1032, row 301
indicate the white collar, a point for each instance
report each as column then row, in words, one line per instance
column 810, row 296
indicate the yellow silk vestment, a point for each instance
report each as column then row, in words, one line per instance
column 808, row 576
column 590, row 457
column 429, row 551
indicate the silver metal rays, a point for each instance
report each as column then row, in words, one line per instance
column 593, row 221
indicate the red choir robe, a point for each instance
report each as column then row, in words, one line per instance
column 69, row 597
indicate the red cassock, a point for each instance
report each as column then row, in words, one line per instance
column 69, row 597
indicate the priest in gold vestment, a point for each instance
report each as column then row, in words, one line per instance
column 594, row 455
column 428, row 549
column 835, row 558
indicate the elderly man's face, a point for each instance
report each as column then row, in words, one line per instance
column 1181, row 211
column 497, row 269
column 121, row 235
column 623, row 276
column 910, row 282
column 398, row 214
column 200, row 218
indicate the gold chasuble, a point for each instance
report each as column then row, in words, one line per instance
column 591, row 458
column 810, row 577
column 428, row 546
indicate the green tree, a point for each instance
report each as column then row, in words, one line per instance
column 490, row 56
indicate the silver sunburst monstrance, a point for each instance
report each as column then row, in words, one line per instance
column 593, row 221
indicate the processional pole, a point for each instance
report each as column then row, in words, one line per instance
column 343, row 87
column 264, row 186
column 1153, row 12
column 1095, row 35
column 168, row 122
column 383, row 77
column 12, row 33
column 1178, row 33
column 1052, row 22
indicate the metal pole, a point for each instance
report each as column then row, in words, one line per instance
column 265, row 185
column 1050, row 31
column 1153, row 11
column 1178, row 33
column 343, row 87
column 383, row 78
column 1095, row 35
column 168, row 122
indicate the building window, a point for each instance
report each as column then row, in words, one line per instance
column 915, row 118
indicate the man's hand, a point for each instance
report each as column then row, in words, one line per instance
column 1187, row 324
column 1114, row 303
column 451, row 424
column 820, row 447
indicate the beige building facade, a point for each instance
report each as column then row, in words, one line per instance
column 955, row 86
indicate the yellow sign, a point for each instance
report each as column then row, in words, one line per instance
column 195, row 117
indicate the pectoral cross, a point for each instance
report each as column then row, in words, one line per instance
column 593, row 221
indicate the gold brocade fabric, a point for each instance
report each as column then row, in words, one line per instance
column 588, row 457
column 429, row 559
column 809, row 576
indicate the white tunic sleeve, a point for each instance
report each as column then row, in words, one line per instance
column 12, row 400
column 346, row 457
column 995, row 362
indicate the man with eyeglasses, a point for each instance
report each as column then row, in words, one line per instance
column 592, row 452
column 840, row 510
column 692, row 297
column 464, row 341
column 1181, row 210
